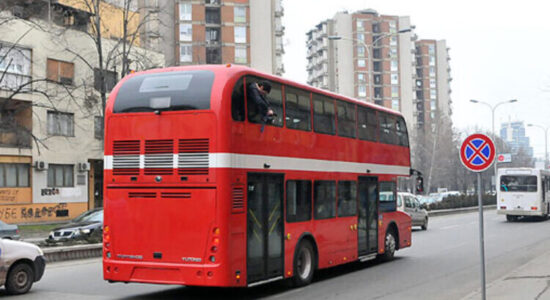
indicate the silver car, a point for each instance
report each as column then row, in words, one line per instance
column 410, row 204
column 21, row 264
column 8, row 231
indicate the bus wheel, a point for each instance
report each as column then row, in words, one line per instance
column 511, row 218
column 389, row 246
column 304, row 264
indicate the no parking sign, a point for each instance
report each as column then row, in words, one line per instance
column 477, row 152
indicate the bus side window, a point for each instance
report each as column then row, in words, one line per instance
column 275, row 99
column 402, row 132
column 298, row 200
column 323, row 114
column 367, row 124
column 347, row 198
column 346, row 119
column 298, row 109
column 237, row 101
column 324, row 199
column 387, row 196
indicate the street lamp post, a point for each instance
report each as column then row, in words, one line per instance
column 545, row 129
column 493, row 108
column 368, row 49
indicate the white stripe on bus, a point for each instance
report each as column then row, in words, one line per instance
column 264, row 162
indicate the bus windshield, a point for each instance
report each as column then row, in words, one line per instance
column 189, row 90
column 515, row 183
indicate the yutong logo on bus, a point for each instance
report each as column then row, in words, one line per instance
column 191, row 259
column 129, row 256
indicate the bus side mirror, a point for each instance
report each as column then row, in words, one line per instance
column 419, row 185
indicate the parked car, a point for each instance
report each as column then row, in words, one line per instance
column 409, row 203
column 88, row 226
column 8, row 231
column 21, row 264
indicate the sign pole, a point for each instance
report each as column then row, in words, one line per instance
column 481, row 237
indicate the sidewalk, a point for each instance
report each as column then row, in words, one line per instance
column 530, row 281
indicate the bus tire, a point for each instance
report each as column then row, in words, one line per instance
column 511, row 218
column 390, row 245
column 305, row 263
column 20, row 279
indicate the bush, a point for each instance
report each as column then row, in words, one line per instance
column 462, row 201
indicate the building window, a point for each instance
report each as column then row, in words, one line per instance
column 60, row 175
column 362, row 91
column 240, row 55
column 432, row 83
column 186, row 32
column 240, row 34
column 186, row 53
column 213, row 55
column 432, row 60
column 395, row 104
column 393, row 26
column 360, row 25
column 212, row 35
column 361, row 63
column 212, row 15
column 432, row 105
column 60, row 123
column 393, row 52
column 361, row 37
column 360, row 51
column 394, row 78
column 109, row 77
column 393, row 41
column 239, row 14
column 14, row 175
column 395, row 91
column 433, row 94
column 361, row 77
column 431, row 49
column 15, row 65
column 394, row 65
column 432, row 71
column 98, row 127
column 185, row 11
column 60, row 71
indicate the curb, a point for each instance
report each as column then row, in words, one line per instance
column 452, row 211
column 55, row 254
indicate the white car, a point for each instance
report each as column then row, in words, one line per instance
column 21, row 264
column 409, row 203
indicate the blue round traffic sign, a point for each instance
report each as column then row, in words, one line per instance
column 477, row 152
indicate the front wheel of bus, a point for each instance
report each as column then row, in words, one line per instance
column 389, row 246
column 304, row 264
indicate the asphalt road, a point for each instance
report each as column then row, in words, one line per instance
column 443, row 263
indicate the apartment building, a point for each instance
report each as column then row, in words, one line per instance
column 364, row 55
column 432, row 83
column 245, row 32
column 376, row 58
column 51, row 115
column 513, row 133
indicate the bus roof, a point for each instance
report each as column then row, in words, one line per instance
column 238, row 71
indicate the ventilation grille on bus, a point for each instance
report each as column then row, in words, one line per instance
column 142, row 195
column 159, row 157
column 126, row 158
column 176, row 195
column 237, row 200
column 193, row 157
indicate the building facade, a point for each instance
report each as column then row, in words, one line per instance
column 513, row 133
column 51, row 124
column 432, row 84
column 241, row 32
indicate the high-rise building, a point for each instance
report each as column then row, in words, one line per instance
column 513, row 133
column 374, row 58
column 366, row 58
column 241, row 32
column 432, row 83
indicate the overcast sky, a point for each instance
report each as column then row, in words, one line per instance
column 500, row 50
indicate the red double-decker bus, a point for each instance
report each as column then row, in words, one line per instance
column 198, row 191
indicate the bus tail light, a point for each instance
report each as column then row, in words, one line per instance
column 503, row 207
column 534, row 208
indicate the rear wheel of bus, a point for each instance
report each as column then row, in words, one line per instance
column 305, row 263
column 511, row 218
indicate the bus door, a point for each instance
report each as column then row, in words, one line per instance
column 264, row 226
column 368, row 215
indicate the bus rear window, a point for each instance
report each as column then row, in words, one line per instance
column 188, row 90
column 524, row 183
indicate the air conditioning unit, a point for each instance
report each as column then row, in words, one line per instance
column 84, row 167
column 40, row 165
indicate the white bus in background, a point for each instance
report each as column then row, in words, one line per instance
column 523, row 192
